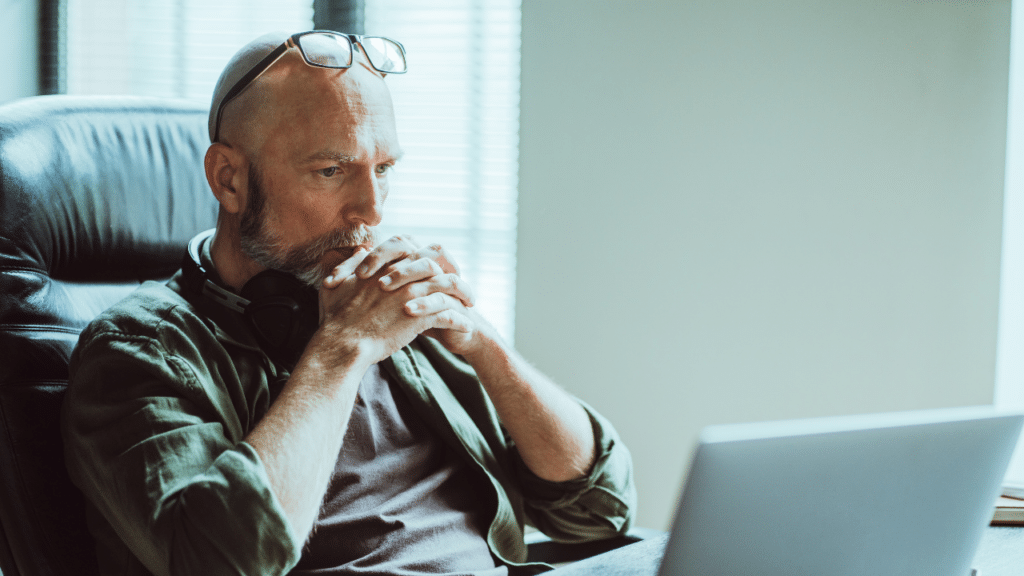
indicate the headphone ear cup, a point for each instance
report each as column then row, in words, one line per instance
column 283, row 314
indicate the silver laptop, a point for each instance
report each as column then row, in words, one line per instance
column 906, row 493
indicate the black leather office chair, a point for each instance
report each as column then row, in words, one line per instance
column 96, row 195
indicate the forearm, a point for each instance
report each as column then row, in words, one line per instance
column 301, row 435
column 552, row 432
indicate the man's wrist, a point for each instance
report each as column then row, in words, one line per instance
column 333, row 354
column 485, row 347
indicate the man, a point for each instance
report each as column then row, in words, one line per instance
column 402, row 437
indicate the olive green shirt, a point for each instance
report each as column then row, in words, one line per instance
column 164, row 391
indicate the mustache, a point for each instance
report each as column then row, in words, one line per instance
column 341, row 240
column 306, row 261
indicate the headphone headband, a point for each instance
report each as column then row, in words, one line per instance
column 198, row 280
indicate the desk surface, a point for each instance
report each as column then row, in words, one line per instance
column 1001, row 553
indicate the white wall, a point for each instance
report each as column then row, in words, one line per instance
column 19, row 76
column 737, row 210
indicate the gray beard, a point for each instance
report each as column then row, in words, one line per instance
column 305, row 261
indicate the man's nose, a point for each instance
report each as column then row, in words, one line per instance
column 366, row 204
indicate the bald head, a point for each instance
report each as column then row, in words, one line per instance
column 294, row 96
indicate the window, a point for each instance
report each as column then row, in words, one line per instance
column 457, row 108
column 168, row 48
column 458, row 121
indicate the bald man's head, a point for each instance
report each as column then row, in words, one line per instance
column 246, row 118
column 300, row 163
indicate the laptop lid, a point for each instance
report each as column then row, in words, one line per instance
column 905, row 493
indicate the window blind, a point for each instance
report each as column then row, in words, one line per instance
column 458, row 122
column 170, row 48
column 457, row 108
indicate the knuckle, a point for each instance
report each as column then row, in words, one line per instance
column 439, row 283
column 442, row 256
column 449, row 317
column 466, row 291
column 371, row 259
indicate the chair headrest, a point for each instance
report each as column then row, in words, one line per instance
column 100, row 189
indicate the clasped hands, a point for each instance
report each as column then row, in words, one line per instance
column 379, row 300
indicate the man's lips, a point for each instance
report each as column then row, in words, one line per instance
column 345, row 252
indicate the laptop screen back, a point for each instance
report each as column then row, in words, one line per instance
column 902, row 493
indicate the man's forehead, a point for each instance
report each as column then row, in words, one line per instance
column 342, row 116
column 294, row 79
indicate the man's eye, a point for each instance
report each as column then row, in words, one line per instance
column 382, row 169
column 328, row 172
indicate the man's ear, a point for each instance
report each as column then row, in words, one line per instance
column 226, row 172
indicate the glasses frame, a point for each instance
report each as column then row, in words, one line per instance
column 293, row 42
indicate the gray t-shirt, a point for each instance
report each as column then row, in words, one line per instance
column 400, row 502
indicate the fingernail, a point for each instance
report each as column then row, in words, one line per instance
column 413, row 306
column 385, row 281
column 362, row 269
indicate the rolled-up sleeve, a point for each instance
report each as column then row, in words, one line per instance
column 599, row 505
column 150, row 444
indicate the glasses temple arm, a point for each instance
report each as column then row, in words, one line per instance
column 249, row 77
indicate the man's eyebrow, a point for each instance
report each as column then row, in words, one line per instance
column 330, row 155
column 342, row 158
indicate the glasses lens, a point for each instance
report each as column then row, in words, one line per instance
column 327, row 50
column 385, row 55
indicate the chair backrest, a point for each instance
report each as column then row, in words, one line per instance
column 97, row 194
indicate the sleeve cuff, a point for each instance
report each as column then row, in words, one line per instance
column 546, row 494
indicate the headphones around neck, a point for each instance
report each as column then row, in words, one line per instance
column 282, row 311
